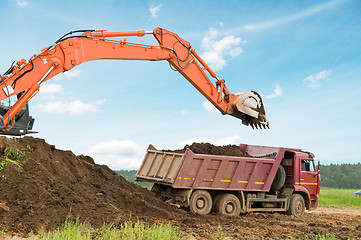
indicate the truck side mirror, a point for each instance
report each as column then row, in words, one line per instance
column 318, row 166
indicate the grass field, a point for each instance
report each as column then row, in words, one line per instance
column 75, row 230
column 339, row 198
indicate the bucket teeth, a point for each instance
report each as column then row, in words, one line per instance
column 259, row 125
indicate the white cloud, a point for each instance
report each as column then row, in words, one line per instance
column 276, row 92
column 51, row 88
column 221, row 24
column 192, row 140
column 209, row 106
column 219, row 142
column 183, row 112
column 249, row 27
column 294, row 17
column 68, row 75
column 22, row 4
column 118, row 155
column 313, row 81
column 216, row 50
column 76, row 107
column 154, row 10
column 235, row 52
column 228, row 140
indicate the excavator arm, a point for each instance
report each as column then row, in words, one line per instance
column 25, row 77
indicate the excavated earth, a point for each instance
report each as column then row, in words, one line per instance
column 48, row 185
column 207, row 148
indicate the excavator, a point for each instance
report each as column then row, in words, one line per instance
column 24, row 78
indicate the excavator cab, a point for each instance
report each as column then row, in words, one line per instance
column 23, row 122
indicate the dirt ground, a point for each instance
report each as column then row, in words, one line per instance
column 49, row 184
column 339, row 222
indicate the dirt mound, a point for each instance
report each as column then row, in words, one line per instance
column 207, row 148
column 41, row 185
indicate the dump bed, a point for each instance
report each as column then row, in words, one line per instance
column 202, row 171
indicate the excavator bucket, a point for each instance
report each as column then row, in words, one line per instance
column 248, row 107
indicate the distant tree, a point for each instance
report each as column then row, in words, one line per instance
column 341, row 175
column 129, row 175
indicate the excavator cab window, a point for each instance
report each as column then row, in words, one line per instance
column 23, row 121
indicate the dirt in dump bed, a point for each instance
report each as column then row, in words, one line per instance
column 207, row 148
column 42, row 189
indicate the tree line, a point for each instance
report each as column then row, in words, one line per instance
column 129, row 175
column 344, row 175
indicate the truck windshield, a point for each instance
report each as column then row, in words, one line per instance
column 307, row 166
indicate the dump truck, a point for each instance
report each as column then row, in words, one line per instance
column 268, row 179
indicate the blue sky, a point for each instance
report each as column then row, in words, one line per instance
column 302, row 56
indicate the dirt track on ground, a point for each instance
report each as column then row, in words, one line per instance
column 339, row 222
column 42, row 190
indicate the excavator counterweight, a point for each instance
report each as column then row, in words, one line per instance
column 25, row 77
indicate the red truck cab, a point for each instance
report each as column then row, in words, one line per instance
column 307, row 178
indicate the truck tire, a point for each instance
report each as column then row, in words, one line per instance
column 228, row 204
column 214, row 202
column 200, row 202
column 279, row 179
column 297, row 205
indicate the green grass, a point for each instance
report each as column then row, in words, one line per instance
column 128, row 231
column 332, row 197
column 220, row 234
column 13, row 156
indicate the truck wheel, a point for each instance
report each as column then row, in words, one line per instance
column 297, row 205
column 279, row 179
column 228, row 205
column 214, row 201
column 201, row 202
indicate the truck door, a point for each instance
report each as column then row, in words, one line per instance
column 308, row 175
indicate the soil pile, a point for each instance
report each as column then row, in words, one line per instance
column 207, row 148
column 40, row 186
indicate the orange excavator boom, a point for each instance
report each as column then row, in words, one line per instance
column 25, row 77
